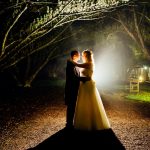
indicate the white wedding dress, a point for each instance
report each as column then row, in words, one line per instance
column 90, row 113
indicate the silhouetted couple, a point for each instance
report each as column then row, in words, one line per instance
column 85, row 110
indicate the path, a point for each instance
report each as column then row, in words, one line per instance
column 29, row 119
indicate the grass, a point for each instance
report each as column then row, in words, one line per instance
column 141, row 96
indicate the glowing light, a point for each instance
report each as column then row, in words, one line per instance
column 107, row 69
column 145, row 67
column 140, row 79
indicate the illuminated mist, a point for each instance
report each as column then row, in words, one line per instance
column 111, row 53
column 110, row 62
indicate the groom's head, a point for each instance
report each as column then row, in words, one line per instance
column 75, row 55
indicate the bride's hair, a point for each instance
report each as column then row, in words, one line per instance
column 88, row 55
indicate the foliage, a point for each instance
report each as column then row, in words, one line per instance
column 55, row 16
column 134, row 21
column 32, row 30
column 141, row 96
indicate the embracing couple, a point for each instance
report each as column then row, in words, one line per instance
column 85, row 110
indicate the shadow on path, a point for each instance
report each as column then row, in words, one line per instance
column 71, row 139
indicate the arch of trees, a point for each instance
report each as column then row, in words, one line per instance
column 32, row 30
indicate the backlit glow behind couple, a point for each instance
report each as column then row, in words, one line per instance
column 85, row 110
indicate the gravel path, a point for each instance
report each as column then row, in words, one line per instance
column 30, row 117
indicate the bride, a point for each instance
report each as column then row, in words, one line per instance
column 89, row 113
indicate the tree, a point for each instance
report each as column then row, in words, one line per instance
column 135, row 20
column 45, row 29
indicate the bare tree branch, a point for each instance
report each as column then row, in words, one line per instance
column 6, row 35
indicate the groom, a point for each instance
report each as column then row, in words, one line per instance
column 71, row 87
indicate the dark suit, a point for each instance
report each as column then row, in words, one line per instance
column 71, row 91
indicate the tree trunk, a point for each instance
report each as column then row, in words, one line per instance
column 142, row 44
column 32, row 77
column 138, row 39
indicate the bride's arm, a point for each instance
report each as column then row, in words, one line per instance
column 83, row 65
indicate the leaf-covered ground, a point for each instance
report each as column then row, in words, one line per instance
column 28, row 117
